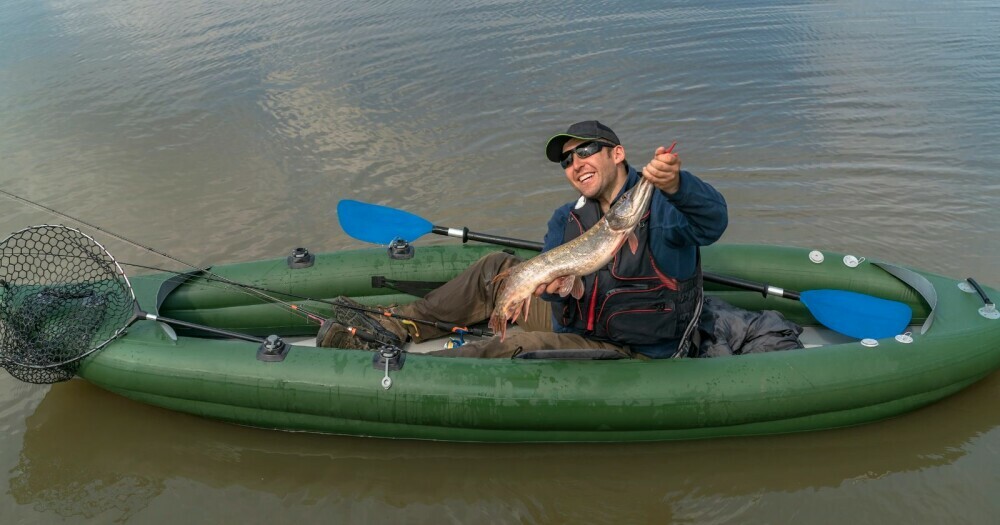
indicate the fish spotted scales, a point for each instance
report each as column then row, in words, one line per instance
column 569, row 262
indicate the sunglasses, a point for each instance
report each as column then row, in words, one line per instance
column 583, row 151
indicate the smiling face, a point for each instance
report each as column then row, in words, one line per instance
column 599, row 176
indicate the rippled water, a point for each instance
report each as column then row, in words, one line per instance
column 226, row 131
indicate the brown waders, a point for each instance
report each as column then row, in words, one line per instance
column 469, row 299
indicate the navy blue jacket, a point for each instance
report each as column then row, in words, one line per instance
column 694, row 216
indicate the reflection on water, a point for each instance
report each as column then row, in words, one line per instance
column 227, row 131
column 68, row 465
column 828, row 126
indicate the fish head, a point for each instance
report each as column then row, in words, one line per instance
column 627, row 210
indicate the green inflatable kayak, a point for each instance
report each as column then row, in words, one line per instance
column 835, row 381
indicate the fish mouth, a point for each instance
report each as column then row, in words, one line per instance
column 631, row 207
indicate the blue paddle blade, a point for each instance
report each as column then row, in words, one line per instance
column 380, row 224
column 857, row 315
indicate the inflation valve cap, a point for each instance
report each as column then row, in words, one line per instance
column 300, row 258
column 273, row 349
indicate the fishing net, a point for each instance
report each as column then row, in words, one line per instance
column 62, row 297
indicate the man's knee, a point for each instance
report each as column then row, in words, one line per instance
column 497, row 262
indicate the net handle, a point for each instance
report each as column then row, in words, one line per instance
column 212, row 330
column 139, row 313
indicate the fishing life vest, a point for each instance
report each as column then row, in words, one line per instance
column 630, row 300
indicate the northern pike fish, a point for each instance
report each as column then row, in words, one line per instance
column 581, row 256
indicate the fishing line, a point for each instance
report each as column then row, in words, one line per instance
column 253, row 291
column 207, row 282
column 244, row 288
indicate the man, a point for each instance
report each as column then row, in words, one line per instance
column 643, row 303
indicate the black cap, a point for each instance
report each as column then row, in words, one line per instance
column 586, row 130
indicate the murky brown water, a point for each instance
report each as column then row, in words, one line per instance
column 227, row 131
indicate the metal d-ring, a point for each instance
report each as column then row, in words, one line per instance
column 386, row 381
column 393, row 358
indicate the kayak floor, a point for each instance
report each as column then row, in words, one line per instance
column 811, row 337
column 417, row 348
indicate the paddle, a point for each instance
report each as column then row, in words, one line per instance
column 850, row 313
column 382, row 224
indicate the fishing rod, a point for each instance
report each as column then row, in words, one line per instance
column 48, row 329
column 440, row 325
column 256, row 291
column 248, row 290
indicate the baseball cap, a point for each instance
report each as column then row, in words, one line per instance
column 586, row 130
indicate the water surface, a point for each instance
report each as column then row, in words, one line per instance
column 227, row 131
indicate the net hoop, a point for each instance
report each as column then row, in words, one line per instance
column 106, row 276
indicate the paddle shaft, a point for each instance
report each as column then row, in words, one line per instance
column 848, row 313
column 467, row 236
column 734, row 282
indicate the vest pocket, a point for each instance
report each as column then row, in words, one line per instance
column 645, row 324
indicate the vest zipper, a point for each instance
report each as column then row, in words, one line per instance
column 628, row 288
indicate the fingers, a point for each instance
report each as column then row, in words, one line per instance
column 552, row 287
column 659, row 167
column 664, row 170
column 667, row 164
column 555, row 285
column 667, row 157
column 548, row 288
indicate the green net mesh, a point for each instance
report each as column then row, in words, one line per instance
column 62, row 297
